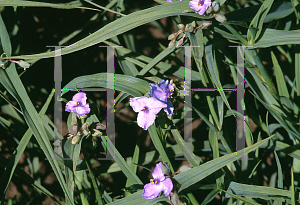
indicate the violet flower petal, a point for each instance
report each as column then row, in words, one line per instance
column 78, row 104
column 82, row 110
column 147, row 109
column 169, row 109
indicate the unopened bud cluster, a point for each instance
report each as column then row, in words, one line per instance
column 87, row 131
column 214, row 9
column 174, row 36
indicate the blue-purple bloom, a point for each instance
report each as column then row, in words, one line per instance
column 147, row 109
column 162, row 91
column 158, row 184
column 78, row 104
column 200, row 5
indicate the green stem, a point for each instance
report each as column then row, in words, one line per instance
column 82, row 197
column 192, row 199
column 88, row 164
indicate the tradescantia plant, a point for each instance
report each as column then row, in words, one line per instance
column 200, row 97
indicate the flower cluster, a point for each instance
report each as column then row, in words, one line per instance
column 147, row 108
column 158, row 184
column 173, row 37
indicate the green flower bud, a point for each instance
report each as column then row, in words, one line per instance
column 175, row 198
column 190, row 29
column 24, row 64
column 100, row 126
column 180, row 42
column 165, row 168
column 76, row 139
column 221, row 18
column 216, row 7
column 171, row 37
column 186, row 27
column 96, row 133
column 85, row 128
column 171, row 44
column 180, row 26
column 209, row 10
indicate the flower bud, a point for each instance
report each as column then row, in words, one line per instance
column 85, row 128
column 100, row 126
column 221, row 18
column 209, row 10
column 204, row 25
column 180, row 26
column 186, row 27
column 184, row 168
column 24, row 64
column 216, row 7
column 165, row 168
column 193, row 24
column 171, row 37
column 180, row 42
column 76, row 139
column 96, row 133
column 171, row 44
column 190, row 29
column 175, row 198
column 73, row 129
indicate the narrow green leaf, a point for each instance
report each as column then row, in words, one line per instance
column 120, row 26
column 258, row 20
column 211, row 196
column 196, row 174
column 273, row 37
column 279, row 170
column 185, row 148
column 282, row 88
column 214, row 74
column 121, row 162
column 297, row 68
column 71, row 5
column 240, row 198
column 159, row 147
column 131, row 85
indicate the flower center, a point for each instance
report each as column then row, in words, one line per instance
column 169, row 93
column 200, row 2
column 145, row 109
column 154, row 181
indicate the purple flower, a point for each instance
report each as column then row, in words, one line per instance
column 78, row 104
column 147, row 109
column 200, row 5
column 158, row 184
column 162, row 91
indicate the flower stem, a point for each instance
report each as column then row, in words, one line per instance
column 192, row 198
column 82, row 197
column 88, row 164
